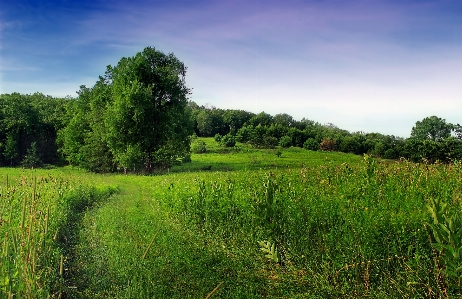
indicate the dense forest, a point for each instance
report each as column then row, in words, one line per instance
column 138, row 117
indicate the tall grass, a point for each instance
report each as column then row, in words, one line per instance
column 307, row 230
column 339, row 230
column 34, row 210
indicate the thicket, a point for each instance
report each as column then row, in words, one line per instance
column 28, row 129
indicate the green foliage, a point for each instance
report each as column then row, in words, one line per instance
column 32, row 159
column 390, row 154
column 217, row 138
column 135, row 117
column 270, row 250
column 147, row 112
column 283, row 119
column 210, row 122
column 447, row 232
column 186, row 159
column 198, row 147
column 261, row 119
column 228, row 140
column 286, row 141
column 311, row 144
column 432, row 128
column 25, row 119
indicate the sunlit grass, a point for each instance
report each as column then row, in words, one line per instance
column 334, row 225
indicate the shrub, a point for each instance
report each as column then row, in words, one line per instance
column 286, row 141
column 218, row 137
column 198, row 147
column 31, row 159
column 311, row 144
column 228, row 140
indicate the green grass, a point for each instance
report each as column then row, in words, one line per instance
column 343, row 226
column 243, row 157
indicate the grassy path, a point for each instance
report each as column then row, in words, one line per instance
column 115, row 258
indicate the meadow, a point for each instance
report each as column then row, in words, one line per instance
column 235, row 223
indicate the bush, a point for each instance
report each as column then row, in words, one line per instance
column 286, row 141
column 198, row 147
column 218, row 137
column 228, row 140
column 311, row 144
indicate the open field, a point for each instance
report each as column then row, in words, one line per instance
column 255, row 225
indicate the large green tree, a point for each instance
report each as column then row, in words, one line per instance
column 146, row 121
column 136, row 116
column 432, row 128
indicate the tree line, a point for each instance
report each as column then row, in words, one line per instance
column 137, row 117
column 431, row 140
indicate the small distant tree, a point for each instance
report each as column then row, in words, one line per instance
column 31, row 159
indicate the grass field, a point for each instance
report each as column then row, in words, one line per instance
column 238, row 223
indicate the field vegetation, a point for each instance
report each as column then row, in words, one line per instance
column 194, row 201
column 299, row 224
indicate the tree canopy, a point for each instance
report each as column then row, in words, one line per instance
column 134, row 117
column 432, row 128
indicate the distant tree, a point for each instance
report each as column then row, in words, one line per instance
column 432, row 128
column 298, row 136
column 458, row 131
column 25, row 119
column 390, row 154
column 210, row 122
column 244, row 134
column 262, row 118
column 235, row 119
column 198, row 147
column 283, row 119
column 257, row 136
column 350, row 144
column 31, row 159
column 277, row 131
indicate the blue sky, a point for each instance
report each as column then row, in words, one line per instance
column 363, row 65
